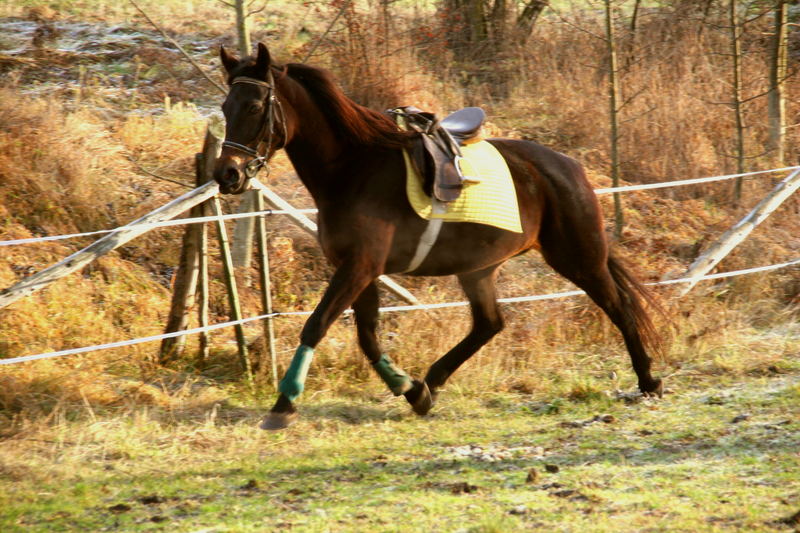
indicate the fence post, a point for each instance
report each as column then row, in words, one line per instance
column 266, row 291
column 202, row 288
column 233, row 293
column 243, row 236
column 192, row 263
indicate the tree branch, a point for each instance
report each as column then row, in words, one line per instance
column 180, row 49
column 153, row 174
column 327, row 30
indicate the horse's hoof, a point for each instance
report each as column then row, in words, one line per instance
column 654, row 391
column 275, row 421
column 420, row 398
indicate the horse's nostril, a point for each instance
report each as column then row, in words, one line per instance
column 231, row 176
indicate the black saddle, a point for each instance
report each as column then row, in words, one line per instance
column 464, row 124
column 434, row 154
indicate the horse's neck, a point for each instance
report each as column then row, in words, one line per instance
column 317, row 163
column 316, row 152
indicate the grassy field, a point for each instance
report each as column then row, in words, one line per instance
column 716, row 454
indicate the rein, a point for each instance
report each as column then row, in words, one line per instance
column 267, row 129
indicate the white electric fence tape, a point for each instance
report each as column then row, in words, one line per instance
column 152, row 225
column 693, row 181
column 517, row 299
column 181, row 221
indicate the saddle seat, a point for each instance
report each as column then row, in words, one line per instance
column 436, row 152
column 464, row 124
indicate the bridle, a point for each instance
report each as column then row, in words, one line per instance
column 272, row 115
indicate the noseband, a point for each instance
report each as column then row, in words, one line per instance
column 272, row 115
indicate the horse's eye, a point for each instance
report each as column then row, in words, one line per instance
column 254, row 108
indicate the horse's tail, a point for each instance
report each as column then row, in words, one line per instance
column 638, row 297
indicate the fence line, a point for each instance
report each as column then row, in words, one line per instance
column 197, row 220
column 692, row 181
column 389, row 309
column 153, row 225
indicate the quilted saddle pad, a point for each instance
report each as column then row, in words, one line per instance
column 491, row 201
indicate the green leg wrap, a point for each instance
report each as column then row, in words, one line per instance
column 294, row 380
column 397, row 380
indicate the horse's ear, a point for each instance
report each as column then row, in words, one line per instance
column 262, row 60
column 229, row 61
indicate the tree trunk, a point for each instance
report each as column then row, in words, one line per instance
column 777, row 75
column 527, row 19
column 244, row 229
column 468, row 26
column 613, row 111
column 242, row 28
column 498, row 21
column 736, row 85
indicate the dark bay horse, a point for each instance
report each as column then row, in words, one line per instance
column 351, row 161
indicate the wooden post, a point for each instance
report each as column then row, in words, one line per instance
column 266, row 293
column 736, row 234
column 212, row 145
column 187, row 278
column 243, row 235
column 233, row 294
column 183, row 293
column 202, row 287
column 106, row 244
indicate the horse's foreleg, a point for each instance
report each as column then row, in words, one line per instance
column 365, row 309
column 347, row 283
column 487, row 322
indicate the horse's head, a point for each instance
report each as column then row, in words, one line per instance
column 255, row 124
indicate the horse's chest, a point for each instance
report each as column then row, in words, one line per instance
column 335, row 239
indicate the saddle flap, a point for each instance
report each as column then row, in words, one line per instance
column 447, row 183
column 440, row 177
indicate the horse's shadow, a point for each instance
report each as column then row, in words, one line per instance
column 225, row 413
column 355, row 414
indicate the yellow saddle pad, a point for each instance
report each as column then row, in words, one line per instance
column 491, row 201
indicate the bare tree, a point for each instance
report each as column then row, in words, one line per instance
column 245, row 9
column 613, row 112
column 777, row 76
column 735, row 28
column 242, row 27
column 480, row 22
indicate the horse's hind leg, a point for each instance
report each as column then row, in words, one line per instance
column 487, row 322
column 365, row 309
column 614, row 291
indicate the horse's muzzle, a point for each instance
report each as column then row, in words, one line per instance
column 231, row 179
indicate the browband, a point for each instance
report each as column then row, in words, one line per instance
column 253, row 81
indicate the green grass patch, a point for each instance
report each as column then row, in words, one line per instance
column 707, row 458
